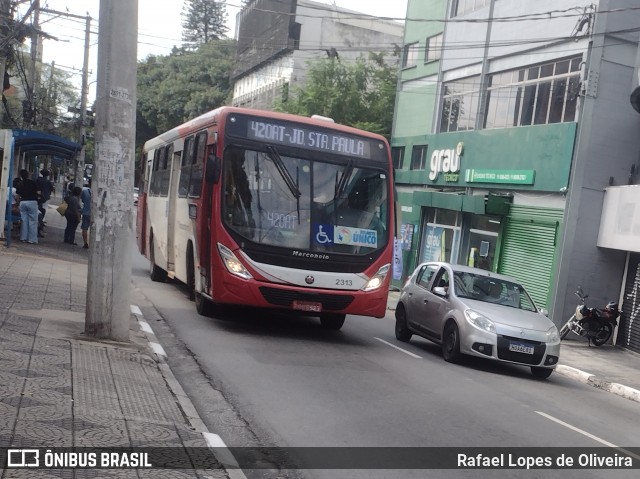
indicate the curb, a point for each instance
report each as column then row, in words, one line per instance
column 214, row 441
column 592, row 380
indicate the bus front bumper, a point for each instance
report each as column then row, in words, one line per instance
column 311, row 301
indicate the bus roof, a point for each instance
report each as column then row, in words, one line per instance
column 214, row 116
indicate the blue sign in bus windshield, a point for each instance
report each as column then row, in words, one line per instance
column 304, row 136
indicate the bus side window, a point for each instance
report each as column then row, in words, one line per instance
column 197, row 162
column 166, row 173
column 155, row 173
column 185, row 168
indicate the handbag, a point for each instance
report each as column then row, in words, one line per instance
column 62, row 208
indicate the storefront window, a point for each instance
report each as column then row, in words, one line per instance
column 480, row 244
column 440, row 235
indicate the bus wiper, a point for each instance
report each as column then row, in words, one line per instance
column 344, row 179
column 284, row 173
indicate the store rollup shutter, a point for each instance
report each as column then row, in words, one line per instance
column 629, row 330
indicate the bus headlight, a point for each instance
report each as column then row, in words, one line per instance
column 232, row 263
column 377, row 279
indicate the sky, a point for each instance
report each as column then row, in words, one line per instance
column 159, row 28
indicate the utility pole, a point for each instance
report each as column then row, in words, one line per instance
column 34, row 77
column 5, row 42
column 108, row 310
column 79, row 171
column 78, row 168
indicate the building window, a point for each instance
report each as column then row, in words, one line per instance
column 462, row 7
column 433, row 51
column 419, row 157
column 535, row 95
column 460, row 104
column 410, row 56
column 397, row 154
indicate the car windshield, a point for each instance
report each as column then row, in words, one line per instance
column 287, row 201
column 491, row 290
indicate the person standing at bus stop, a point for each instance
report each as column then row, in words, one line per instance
column 27, row 190
column 72, row 215
column 86, row 213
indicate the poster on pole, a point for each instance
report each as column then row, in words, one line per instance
column 397, row 259
column 406, row 235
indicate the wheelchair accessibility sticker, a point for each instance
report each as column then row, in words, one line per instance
column 329, row 234
column 322, row 233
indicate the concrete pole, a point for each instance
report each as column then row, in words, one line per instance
column 108, row 310
column 34, row 77
column 79, row 170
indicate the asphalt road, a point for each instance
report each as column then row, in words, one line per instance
column 258, row 378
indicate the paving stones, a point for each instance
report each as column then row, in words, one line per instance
column 59, row 391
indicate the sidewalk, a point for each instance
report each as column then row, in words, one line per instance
column 59, row 389
column 607, row 367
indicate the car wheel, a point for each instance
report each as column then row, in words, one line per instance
column 451, row 343
column 402, row 330
column 156, row 273
column 541, row 373
column 332, row 322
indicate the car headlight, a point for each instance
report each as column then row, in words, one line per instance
column 552, row 335
column 479, row 321
column 377, row 279
column 232, row 263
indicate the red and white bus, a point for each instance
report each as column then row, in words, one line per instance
column 271, row 210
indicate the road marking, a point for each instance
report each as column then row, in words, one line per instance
column 223, row 455
column 136, row 310
column 589, row 435
column 145, row 327
column 157, row 349
column 399, row 349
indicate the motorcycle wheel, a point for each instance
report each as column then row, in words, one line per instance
column 602, row 335
column 564, row 330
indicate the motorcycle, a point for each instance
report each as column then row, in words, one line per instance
column 594, row 324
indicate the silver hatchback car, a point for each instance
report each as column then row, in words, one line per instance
column 479, row 313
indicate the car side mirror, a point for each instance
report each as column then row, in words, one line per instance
column 440, row 291
column 213, row 171
column 544, row 311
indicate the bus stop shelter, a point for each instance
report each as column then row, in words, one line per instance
column 20, row 149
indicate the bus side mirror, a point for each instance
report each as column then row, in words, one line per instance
column 212, row 174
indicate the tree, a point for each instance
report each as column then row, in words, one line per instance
column 178, row 87
column 203, row 21
column 47, row 109
column 359, row 94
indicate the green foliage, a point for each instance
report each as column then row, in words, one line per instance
column 203, row 21
column 359, row 94
column 176, row 88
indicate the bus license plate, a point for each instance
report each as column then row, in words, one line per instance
column 521, row 348
column 307, row 306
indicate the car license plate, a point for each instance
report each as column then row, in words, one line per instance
column 307, row 306
column 521, row 348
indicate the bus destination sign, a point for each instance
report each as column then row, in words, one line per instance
column 303, row 136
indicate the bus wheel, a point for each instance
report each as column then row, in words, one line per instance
column 332, row 321
column 156, row 272
column 191, row 273
column 204, row 307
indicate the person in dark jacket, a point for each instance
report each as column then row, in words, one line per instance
column 27, row 190
column 72, row 215
column 46, row 188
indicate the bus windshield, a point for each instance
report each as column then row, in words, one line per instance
column 274, row 199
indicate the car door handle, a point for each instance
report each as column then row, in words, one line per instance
column 426, row 301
